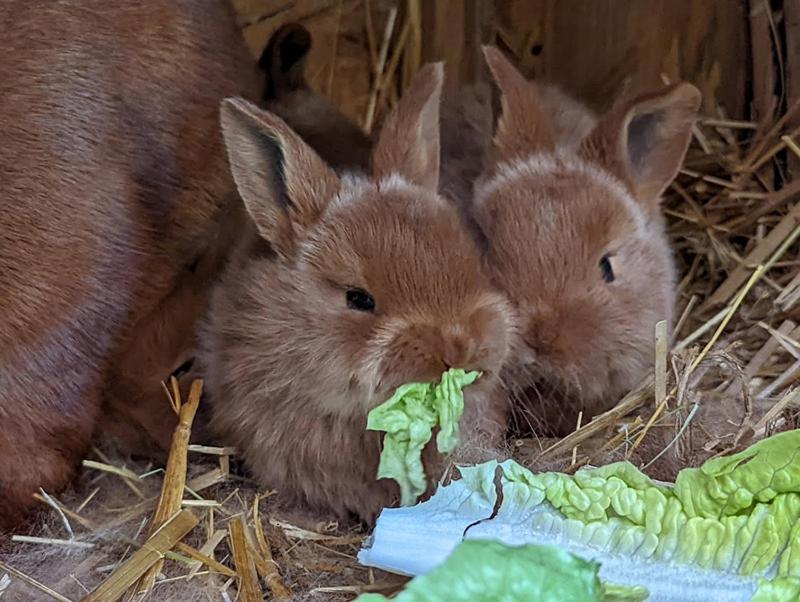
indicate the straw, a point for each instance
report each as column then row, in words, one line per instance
column 151, row 552
column 172, row 488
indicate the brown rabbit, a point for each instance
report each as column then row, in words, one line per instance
column 348, row 287
column 337, row 140
column 465, row 118
column 112, row 179
column 576, row 238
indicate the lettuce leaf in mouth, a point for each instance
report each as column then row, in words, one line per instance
column 488, row 570
column 728, row 531
column 408, row 418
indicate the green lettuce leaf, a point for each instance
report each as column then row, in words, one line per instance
column 480, row 571
column 408, row 418
column 612, row 592
column 727, row 531
column 780, row 589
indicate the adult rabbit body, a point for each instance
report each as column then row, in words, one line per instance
column 113, row 183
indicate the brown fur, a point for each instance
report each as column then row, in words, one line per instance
column 336, row 139
column 112, row 177
column 466, row 125
column 465, row 117
column 584, row 341
column 291, row 369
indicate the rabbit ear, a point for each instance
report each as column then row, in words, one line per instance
column 284, row 184
column 523, row 127
column 643, row 141
column 284, row 60
column 408, row 143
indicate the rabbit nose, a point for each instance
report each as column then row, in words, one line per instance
column 458, row 350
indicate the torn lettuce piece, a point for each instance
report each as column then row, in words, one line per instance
column 408, row 418
column 728, row 531
column 480, row 571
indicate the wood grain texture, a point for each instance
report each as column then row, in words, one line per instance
column 791, row 14
column 591, row 48
column 453, row 31
column 763, row 68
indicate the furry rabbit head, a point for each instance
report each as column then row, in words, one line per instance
column 577, row 240
column 384, row 284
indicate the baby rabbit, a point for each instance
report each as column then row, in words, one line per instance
column 337, row 140
column 576, row 239
column 112, row 180
column 348, row 287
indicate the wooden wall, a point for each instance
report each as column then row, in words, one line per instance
column 590, row 47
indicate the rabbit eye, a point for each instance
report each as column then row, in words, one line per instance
column 360, row 300
column 606, row 269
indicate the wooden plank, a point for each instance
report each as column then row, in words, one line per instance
column 791, row 15
column 763, row 68
column 412, row 54
column 453, row 31
column 444, row 26
column 592, row 48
